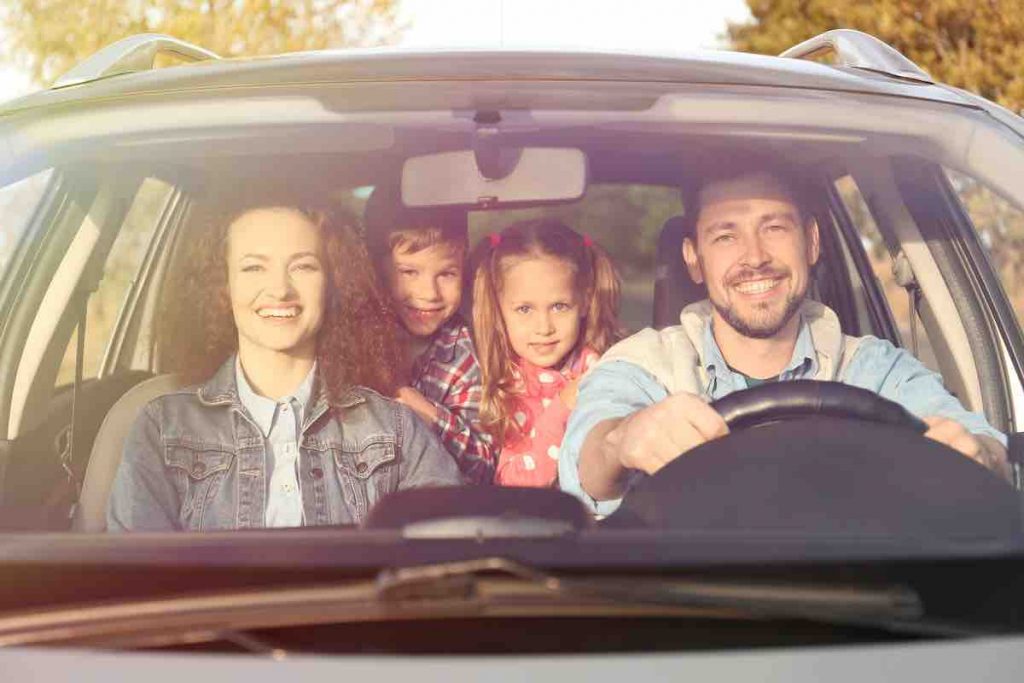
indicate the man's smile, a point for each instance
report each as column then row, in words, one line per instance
column 759, row 286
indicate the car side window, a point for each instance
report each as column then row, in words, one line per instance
column 119, row 273
column 885, row 271
column 1000, row 227
column 17, row 203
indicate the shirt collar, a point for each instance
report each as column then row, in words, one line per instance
column 443, row 345
column 445, row 342
column 803, row 361
column 546, row 382
column 805, row 356
column 262, row 409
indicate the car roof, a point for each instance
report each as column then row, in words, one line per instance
column 492, row 65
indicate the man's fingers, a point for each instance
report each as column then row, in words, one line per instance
column 952, row 434
column 968, row 445
column 939, row 429
column 669, row 449
column 704, row 418
column 652, row 438
column 683, row 436
column 683, row 433
column 708, row 422
column 657, row 435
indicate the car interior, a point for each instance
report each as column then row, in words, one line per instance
column 103, row 225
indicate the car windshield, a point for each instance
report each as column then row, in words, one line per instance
column 449, row 311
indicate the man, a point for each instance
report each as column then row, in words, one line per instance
column 646, row 403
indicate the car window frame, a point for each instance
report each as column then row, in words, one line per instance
column 85, row 185
column 53, row 231
column 992, row 294
column 880, row 320
column 122, row 351
column 29, row 242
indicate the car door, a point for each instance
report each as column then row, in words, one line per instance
column 74, row 330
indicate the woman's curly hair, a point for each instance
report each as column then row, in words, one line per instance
column 356, row 344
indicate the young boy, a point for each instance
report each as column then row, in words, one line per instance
column 421, row 258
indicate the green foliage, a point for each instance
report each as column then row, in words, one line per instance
column 48, row 37
column 978, row 46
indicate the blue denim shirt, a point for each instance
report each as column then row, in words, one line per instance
column 196, row 460
column 620, row 388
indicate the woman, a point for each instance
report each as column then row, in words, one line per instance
column 275, row 321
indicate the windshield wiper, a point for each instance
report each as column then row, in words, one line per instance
column 492, row 587
column 892, row 608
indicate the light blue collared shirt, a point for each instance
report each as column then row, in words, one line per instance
column 620, row 388
column 280, row 422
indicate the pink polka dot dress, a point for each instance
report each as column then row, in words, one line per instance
column 530, row 458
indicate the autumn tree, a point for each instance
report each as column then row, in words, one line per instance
column 48, row 37
column 978, row 46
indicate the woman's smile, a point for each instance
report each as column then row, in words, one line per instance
column 279, row 313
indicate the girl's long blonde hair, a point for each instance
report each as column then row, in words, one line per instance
column 596, row 283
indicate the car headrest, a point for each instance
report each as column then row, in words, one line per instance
column 673, row 288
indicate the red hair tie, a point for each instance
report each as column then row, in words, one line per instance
column 587, row 242
column 495, row 239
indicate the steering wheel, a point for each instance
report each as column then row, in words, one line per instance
column 826, row 461
column 776, row 401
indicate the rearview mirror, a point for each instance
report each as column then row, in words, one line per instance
column 530, row 175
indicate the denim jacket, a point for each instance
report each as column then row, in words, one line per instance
column 195, row 460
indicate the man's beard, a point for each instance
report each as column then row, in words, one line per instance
column 762, row 324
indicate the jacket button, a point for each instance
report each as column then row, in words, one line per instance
column 198, row 469
column 361, row 468
column 317, row 473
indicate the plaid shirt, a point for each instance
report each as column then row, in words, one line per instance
column 448, row 375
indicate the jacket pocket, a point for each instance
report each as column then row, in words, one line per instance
column 367, row 472
column 198, row 470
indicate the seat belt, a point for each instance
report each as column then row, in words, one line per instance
column 67, row 456
column 904, row 276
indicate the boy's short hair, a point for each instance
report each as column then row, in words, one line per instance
column 391, row 226
column 411, row 239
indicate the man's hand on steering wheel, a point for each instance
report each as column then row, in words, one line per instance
column 658, row 434
column 951, row 433
column 655, row 436
column 987, row 452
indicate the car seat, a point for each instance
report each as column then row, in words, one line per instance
column 91, row 513
column 673, row 287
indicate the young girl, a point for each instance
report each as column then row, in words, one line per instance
column 544, row 309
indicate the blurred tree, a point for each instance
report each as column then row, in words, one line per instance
column 978, row 46
column 48, row 37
